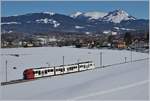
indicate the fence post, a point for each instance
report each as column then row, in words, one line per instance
column 125, row 58
column 6, row 69
column 63, row 63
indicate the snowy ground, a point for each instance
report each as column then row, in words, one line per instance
column 126, row 81
column 37, row 57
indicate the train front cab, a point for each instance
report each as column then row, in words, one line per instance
column 28, row 74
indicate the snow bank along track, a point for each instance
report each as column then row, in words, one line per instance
column 22, row 80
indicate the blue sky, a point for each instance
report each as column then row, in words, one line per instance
column 137, row 9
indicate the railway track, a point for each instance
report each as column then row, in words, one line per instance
column 22, row 80
column 123, row 62
column 14, row 82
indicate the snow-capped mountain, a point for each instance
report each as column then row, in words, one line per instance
column 46, row 22
column 117, row 16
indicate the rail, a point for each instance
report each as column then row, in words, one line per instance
column 122, row 63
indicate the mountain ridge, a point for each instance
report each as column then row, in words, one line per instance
column 81, row 22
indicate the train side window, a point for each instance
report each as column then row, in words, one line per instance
column 35, row 72
column 51, row 70
column 90, row 64
column 60, row 69
column 45, row 71
column 81, row 66
column 39, row 72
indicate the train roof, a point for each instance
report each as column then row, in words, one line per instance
column 64, row 65
column 77, row 63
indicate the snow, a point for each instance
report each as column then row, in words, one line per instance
column 125, row 81
column 107, row 32
column 87, row 33
column 91, row 15
column 121, row 28
column 76, row 14
column 38, row 57
column 50, row 13
column 127, row 29
column 46, row 21
column 78, row 27
column 4, row 23
column 116, row 28
column 10, row 31
column 114, row 33
column 117, row 16
column 95, row 15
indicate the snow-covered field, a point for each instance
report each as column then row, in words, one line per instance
column 126, row 81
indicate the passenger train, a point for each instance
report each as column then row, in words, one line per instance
column 34, row 73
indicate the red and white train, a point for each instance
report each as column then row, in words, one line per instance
column 34, row 73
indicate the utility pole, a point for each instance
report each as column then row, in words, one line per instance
column 78, row 64
column 63, row 64
column 101, row 59
column 6, row 69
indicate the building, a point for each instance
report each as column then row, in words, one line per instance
column 121, row 44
